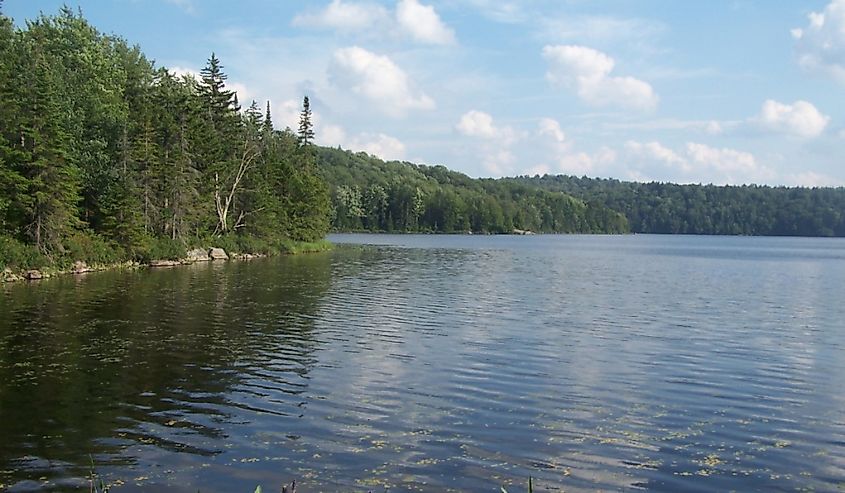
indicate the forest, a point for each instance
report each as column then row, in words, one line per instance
column 105, row 157
column 667, row 208
column 369, row 194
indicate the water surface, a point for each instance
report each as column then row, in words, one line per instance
column 430, row 363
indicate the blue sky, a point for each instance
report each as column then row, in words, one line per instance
column 716, row 91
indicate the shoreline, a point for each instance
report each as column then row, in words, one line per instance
column 198, row 255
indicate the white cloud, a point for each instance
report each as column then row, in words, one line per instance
column 498, row 162
column 549, row 127
column 331, row 135
column 184, row 71
column 588, row 71
column 343, row 16
column 422, row 23
column 735, row 166
column 411, row 19
column 821, row 45
column 800, row 118
column 656, row 150
column 694, row 163
column 379, row 80
column 600, row 29
column 380, row 145
column 496, row 141
column 285, row 114
column 582, row 163
column 713, row 127
column 479, row 124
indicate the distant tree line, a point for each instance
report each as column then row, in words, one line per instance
column 105, row 156
column 709, row 209
column 369, row 194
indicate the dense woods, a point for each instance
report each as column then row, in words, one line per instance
column 369, row 194
column 106, row 157
column 709, row 209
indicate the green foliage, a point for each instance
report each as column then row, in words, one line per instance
column 17, row 255
column 92, row 249
column 103, row 155
column 369, row 194
column 709, row 209
column 162, row 248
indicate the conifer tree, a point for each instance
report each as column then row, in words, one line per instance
column 268, row 120
column 306, row 127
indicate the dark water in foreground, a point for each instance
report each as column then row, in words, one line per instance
column 434, row 362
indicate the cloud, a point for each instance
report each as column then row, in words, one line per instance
column 588, row 71
column 378, row 79
column 694, row 163
column 820, row 46
column 585, row 164
column 381, row 145
column 800, row 118
column 496, row 141
column 411, row 19
column 479, row 124
column 422, row 23
column 343, row 16
column 551, row 128
column 600, row 29
column 184, row 71
column 657, row 151
column 285, row 114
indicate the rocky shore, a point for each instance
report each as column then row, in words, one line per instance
column 79, row 268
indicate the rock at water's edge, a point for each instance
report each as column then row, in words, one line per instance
column 218, row 254
column 9, row 276
column 80, row 267
column 197, row 255
column 34, row 275
column 163, row 263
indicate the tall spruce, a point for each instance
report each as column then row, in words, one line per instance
column 306, row 126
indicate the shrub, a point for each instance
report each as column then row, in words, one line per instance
column 91, row 248
column 161, row 249
column 17, row 255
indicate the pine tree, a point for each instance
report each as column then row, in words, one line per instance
column 53, row 180
column 268, row 120
column 306, row 127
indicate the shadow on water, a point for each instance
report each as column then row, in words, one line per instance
column 127, row 366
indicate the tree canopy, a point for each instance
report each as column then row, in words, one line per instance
column 102, row 151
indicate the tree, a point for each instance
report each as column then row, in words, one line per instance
column 306, row 127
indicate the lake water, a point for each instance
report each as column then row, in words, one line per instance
column 437, row 363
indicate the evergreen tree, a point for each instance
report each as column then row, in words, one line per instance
column 306, row 127
column 268, row 121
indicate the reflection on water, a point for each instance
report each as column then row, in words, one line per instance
column 435, row 363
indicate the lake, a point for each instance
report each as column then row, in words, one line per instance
column 437, row 363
